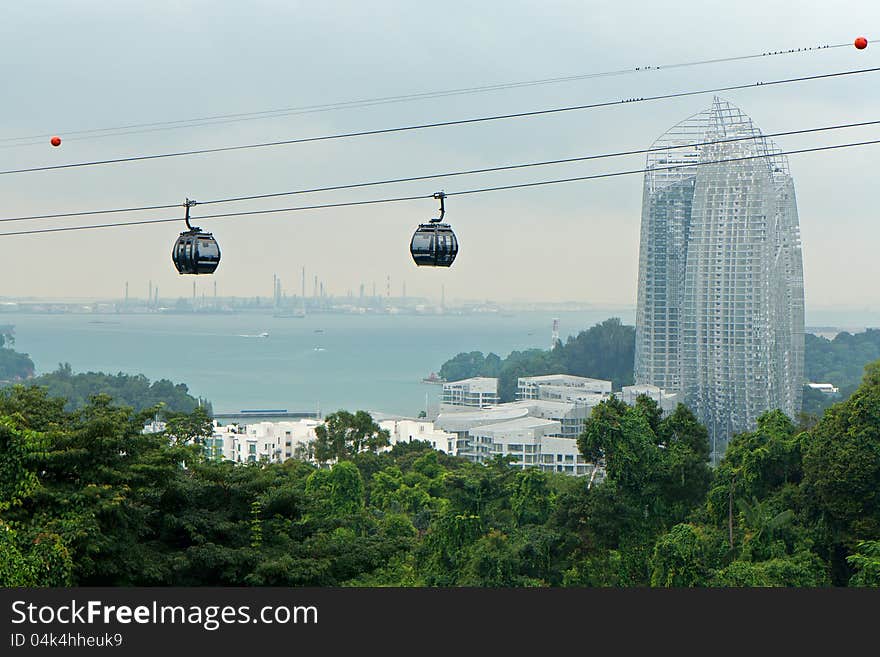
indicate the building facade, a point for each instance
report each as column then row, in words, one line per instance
column 407, row 431
column 562, row 387
column 261, row 442
column 530, row 442
column 667, row 401
column 720, row 315
column 477, row 392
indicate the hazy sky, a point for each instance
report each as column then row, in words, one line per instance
column 75, row 66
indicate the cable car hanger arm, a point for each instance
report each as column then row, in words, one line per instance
column 441, row 196
column 188, row 204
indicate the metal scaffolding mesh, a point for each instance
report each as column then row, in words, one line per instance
column 720, row 313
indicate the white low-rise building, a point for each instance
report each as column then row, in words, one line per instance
column 827, row 388
column 155, row 426
column 460, row 422
column 477, row 392
column 520, row 438
column 407, row 431
column 275, row 442
column 562, row 387
column 667, row 400
column 545, row 429
column 271, row 442
column 562, row 455
column 571, row 416
column 532, row 443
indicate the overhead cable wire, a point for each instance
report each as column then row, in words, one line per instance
column 139, row 128
column 440, row 124
column 448, row 174
column 480, row 190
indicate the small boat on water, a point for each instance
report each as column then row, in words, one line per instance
column 433, row 378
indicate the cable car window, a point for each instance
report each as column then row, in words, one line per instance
column 422, row 241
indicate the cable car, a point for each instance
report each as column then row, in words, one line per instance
column 434, row 244
column 195, row 252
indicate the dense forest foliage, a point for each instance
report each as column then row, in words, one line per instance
column 14, row 366
column 839, row 361
column 605, row 351
column 126, row 390
column 86, row 498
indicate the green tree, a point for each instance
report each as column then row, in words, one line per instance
column 135, row 391
column 680, row 558
column 866, row 564
column 446, row 547
column 840, row 361
column 344, row 434
column 189, row 428
column 803, row 569
column 532, row 499
column 338, row 491
column 841, row 465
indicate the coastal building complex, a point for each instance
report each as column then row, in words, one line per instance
column 563, row 387
column 477, row 392
column 537, row 431
column 720, row 315
column 512, row 430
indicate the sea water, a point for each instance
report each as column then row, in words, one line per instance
column 322, row 362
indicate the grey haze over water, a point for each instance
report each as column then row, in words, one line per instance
column 325, row 361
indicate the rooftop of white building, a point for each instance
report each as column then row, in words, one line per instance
column 541, row 405
column 464, row 420
column 642, row 387
column 565, row 379
column 475, row 381
column 519, row 424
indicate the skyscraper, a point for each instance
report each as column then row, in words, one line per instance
column 720, row 314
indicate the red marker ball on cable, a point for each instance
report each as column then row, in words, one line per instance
column 55, row 141
column 861, row 43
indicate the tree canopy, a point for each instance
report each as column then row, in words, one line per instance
column 14, row 366
column 133, row 390
column 88, row 499
column 605, row 351
column 840, row 362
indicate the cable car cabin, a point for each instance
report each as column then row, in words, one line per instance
column 196, row 252
column 434, row 245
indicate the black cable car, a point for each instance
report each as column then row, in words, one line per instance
column 434, row 244
column 195, row 252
